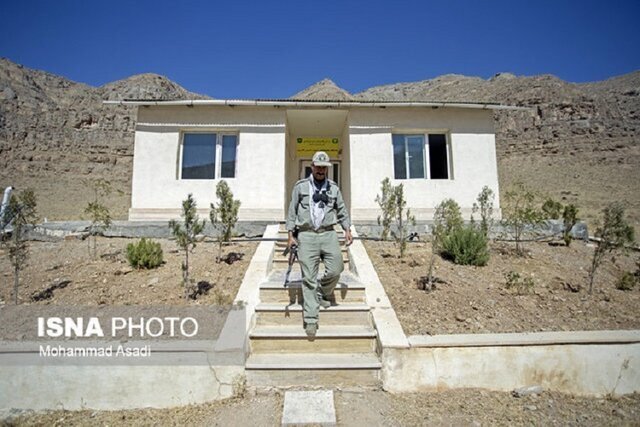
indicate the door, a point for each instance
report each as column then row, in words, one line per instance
column 334, row 170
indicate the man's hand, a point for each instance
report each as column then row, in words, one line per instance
column 348, row 238
column 292, row 241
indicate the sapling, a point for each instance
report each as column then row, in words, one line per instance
column 225, row 216
column 520, row 212
column 484, row 206
column 98, row 214
column 387, row 205
column 614, row 233
column 21, row 213
column 185, row 234
column 446, row 219
column 392, row 202
column 569, row 219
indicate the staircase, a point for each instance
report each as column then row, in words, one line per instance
column 344, row 351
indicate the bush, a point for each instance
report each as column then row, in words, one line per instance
column 446, row 218
column 627, row 281
column 466, row 246
column 514, row 281
column 144, row 254
column 552, row 209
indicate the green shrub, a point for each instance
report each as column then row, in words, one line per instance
column 627, row 281
column 569, row 219
column 144, row 254
column 521, row 286
column 466, row 246
column 552, row 209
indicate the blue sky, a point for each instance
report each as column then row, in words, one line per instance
column 273, row 49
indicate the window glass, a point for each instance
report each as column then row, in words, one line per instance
column 198, row 156
column 399, row 158
column 415, row 146
column 438, row 156
column 229, row 144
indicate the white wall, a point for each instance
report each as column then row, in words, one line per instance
column 473, row 157
column 261, row 158
column 157, row 192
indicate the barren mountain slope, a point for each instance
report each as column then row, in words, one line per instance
column 57, row 137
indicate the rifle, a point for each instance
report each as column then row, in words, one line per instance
column 292, row 251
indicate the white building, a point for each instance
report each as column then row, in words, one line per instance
column 261, row 148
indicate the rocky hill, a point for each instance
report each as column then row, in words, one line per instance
column 57, row 136
column 579, row 142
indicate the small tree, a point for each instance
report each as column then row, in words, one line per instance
column 402, row 219
column 185, row 234
column 484, row 205
column 225, row 216
column 614, row 233
column 569, row 219
column 447, row 217
column 21, row 213
column 98, row 214
column 520, row 212
column 393, row 203
column 552, row 209
column 386, row 201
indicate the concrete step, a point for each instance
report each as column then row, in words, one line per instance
column 271, row 292
column 329, row 370
column 329, row 339
column 279, row 260
column 313, row 361
column 359, row 379
column 346, row 276
column 291, row 314
column 281, row 245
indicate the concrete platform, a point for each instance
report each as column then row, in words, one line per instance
column 309, row 407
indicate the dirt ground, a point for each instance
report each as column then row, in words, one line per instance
column 446, row 408
column 108, row 279
column 468, row 300
column 471, row 299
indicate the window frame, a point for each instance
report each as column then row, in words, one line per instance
column 217, row 171
column 426, row 156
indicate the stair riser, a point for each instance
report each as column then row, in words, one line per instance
column 281, row 246
column 365, row 378
column 287, row 296
column 264, row 318
column 319, row 345
column 283, row 262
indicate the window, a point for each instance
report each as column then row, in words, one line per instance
column 438, row 164
column 409, row 156
column 204, row 154
column 229, row 143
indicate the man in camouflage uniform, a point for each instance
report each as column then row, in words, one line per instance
column 316, row 207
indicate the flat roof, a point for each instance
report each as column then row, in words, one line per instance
column 314, row 103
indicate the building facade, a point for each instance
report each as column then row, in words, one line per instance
column 261, row 148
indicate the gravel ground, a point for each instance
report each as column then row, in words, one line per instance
column 446, row 408
column 470, row 299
